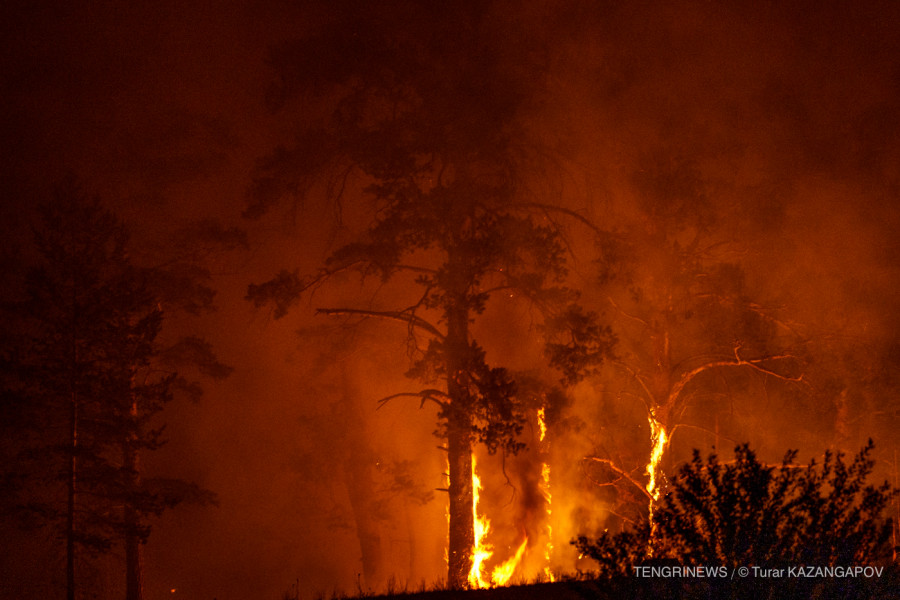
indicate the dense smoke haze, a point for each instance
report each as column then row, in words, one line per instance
column 726, row 180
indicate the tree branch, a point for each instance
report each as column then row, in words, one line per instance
column 415, row 269
column 429, row 394
column 650, row 399
column 686, row 378
column 571, row 213
column 623, row 313
column 622, row 474
column 393, row 315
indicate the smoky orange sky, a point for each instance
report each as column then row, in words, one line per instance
column 789, row 111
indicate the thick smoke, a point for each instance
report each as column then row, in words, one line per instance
column 765, row 133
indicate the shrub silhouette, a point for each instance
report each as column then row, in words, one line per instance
column 746, row 513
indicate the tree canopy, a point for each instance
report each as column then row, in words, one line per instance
column 431, row 122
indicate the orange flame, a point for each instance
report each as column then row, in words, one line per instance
column 545, row 489
column 482, row 551
column 447, row 509
column 541, row 425
column 659, row 439
column 503, row 573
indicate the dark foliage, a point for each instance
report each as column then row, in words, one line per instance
column 746, row 513
column 82, row 385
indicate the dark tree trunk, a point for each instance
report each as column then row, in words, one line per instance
column 358, row 478
column 459, row 447
column 72, row 489
column 360, row 487
column 411, row 534
column 462, row 520
column 134, row 567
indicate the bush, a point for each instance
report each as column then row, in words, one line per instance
column 745, row 513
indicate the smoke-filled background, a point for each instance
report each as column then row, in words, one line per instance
column 741, row 159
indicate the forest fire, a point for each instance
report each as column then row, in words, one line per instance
column 503, row 573
column 275, row 274
column 659, row 439
column 545, row 490
column 481, row 551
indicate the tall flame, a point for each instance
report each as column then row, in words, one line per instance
column 545, row 490
column 481, row 550
column 542, row 426
column 447, row 509
column 658, row 439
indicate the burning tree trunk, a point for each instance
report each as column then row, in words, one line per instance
column 544, row 450
column 662, row 403
column 461, row 538
column 461, row 535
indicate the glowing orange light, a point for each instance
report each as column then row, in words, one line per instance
column 447, row 513
column 541, row 424
column 504, row 572
column 659, row 439
column 545, row 490
column 482, row 550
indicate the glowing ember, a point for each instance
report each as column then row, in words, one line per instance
column 482, row 550
column 503, row 573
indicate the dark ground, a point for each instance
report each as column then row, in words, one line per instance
column 886, row 587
